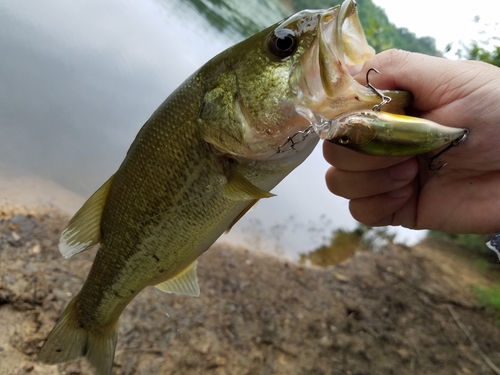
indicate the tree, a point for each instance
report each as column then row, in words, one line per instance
column 487, row 50
column 476, row 52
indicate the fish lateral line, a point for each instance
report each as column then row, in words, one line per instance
column 237, row 187
column 159, row 214
column 225, row 103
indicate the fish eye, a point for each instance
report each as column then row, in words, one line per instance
column 344, row 140
column 283, row 43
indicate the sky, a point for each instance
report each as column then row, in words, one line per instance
column 448, row 21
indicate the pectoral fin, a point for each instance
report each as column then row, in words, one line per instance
column 84, row 229
column 238, row 188
column 184, row 283
column 241, row 214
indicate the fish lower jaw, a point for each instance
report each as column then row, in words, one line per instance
column 290, row 138
column 284, row 156
column 352, row 98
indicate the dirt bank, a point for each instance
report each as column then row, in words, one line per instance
column 401, row 311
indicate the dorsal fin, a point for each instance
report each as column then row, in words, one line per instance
column 185, row 282
column 84, row 229
column 238, row 188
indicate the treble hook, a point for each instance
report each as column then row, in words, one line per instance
column 385, row 99
column 435, row 164
column 301, row 133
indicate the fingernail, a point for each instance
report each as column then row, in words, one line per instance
column 403, row 171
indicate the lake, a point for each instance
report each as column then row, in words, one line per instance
column 78, row 79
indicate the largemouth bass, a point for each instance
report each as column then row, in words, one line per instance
column 216, row 145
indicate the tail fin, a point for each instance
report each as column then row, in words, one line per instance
column 68, row 341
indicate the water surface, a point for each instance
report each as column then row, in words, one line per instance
column 78, row 79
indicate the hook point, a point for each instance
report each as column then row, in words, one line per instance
column 385, row 99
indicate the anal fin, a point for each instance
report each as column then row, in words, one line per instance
column 185, row 282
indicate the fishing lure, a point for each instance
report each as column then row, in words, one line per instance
column 379, row 133
column 387, row 134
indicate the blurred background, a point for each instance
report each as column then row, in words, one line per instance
column 78, row 79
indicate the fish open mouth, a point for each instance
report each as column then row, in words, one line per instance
column 322, row 78
column 310, row 60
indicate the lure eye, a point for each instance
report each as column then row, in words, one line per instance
column 283, row 43
column 344, row 140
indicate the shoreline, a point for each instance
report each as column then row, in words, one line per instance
column 35, row 192
column 376, row 313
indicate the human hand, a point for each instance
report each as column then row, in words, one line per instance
column 464, row 196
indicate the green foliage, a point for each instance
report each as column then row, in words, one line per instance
column 487, row 50
column 475, row 242
column 342, row 246
column 380, row 33
column 375, row 237
column 489, row 296
column 251, row 16
column 239, row 19
column 476, row 52
column 483, row 264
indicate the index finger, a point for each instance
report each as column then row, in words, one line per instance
column 348, row 160
column 420, row 74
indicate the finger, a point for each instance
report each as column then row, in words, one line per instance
column 354, row 185
column 400, row 69
column 382, row 209
column 348, row 160
column 391, row 64
column 420, row 74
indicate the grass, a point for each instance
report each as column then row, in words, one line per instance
column 475, row 242
column 483, row 264
column 489, row 296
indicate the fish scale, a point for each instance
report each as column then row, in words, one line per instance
column 211, row 150
column 156, row 205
